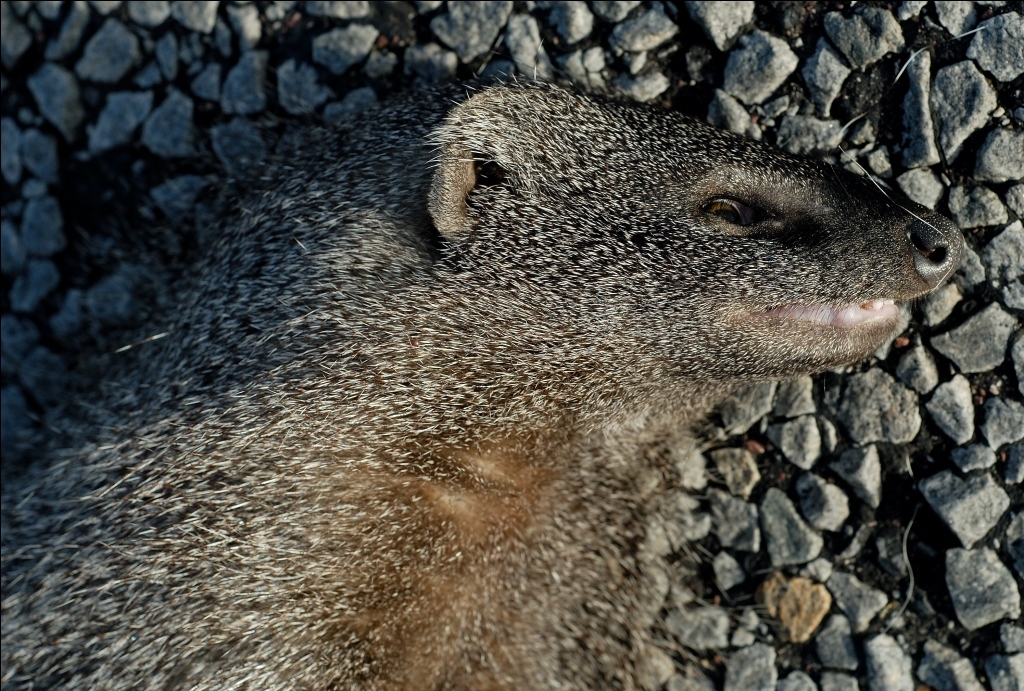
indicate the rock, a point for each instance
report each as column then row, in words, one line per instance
column 1012, row 638
column 982, row 588
column 12, row 251
column 1017, row 353
column 198, row 16
column 890, row 556
column 522, row 36
column 689, row 463
column 15, row 39
column 1003, row 256
column 795, row 398
column 1015, row 542
column 799, row 440
column 862, row 470
column 837, row 681
column 875, row 408
column 756, row 70
column 961, row 101
column 355, row 102
column 722, row 22
column 971, row 507
column 245, row 20
column 819, row 569
column 470, row 28
column 865, row 37
column 43, row 374
column 790, row 540
column 952, row 409
column 798, row 604
column 644, row 88
column 747, row 405
column 654, row 668
column 149, row 13
column 20, row 336
column 613, row 12
column 940, row 303
column 918, row 142
column 889, row 668
column 728, row 571
column 943, row 668
column 699, row 628
column 339, row 10
column 42, row 227
column 10, row 151
column 340, row 49
column 971, row 272
column 979, row 207
column 808, row 136
column 298, row 89
column 726, row 112
column 956, row 17
column 105, row 7
column 109, row 54
column 739, row 470
column 177, row 196
column 917, row 369
column 239, row 146
column 978, row 345
column 71, row 32
column 1005, row 672
column 34, row 283
column 824, row 74
column 834, row 644
column 124, row 112
column 824, row 505
column 644, row 32
column 431, row 63
column 997, row 47
column 1001, row 157
column 751, row 669
column 796, row 681
column 1004, row 421
column 14, row 418
column 973, row 457
column 735, row 521
column 56, row 93
column 922, row 186
column 878, row 162
column 1015, row 199
column 381, row 64
column 69, row 318
column 166, row 52
column 168, row 130
column 243, row 88
column 206, row 85
column 39, row 155
column 858, row 601
column 572, row 20
column 687, row 522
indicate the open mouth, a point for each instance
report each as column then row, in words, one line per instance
column 843, row 317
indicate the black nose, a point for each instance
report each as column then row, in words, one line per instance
column 936, row 245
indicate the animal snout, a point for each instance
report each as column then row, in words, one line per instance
column 936, row 245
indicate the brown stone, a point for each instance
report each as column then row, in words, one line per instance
column 799, row 605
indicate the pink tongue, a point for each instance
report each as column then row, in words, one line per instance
column 839, row 317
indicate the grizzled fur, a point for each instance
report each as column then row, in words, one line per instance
column 415, row 422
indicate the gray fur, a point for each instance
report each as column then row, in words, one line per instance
column 400, row 438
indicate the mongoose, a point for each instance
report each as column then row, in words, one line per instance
column 410, row 427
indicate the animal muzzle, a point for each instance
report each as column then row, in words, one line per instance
column 936, row 246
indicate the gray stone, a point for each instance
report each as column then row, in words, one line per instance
column 795, row 397
column 956, row 17
column 790, row 540
column 1001, row 157
column 726, row 112
column 962, row 100
column 890, row 556
column 1003, row 256
column 865, row 37
column 1014, row 474
column 837, row 681
column 14, row 417
column 339, row 10
column 808, row 136
column 1017, row 352
column 613, row 11
column 168, row 130
column 12, row 251
column 878, row 162
column 862, row 470
column 998, row 47
column 646, row 31
column 69, row 318
column 166, row 52
column 470, row 28
column 799, row 440
column 979, row 207
column 982, row 588
column 971, row 272
column 43, row 374
column 1012, row 638
column 722, row 22
column 917, row 370
column 824, row 74
column 747, row 405
column 824, row 505
column 105, row 7
column 572, row 20
column 109, row 54
column 979, row 344
column 973, row 457
column 1014, row 198
column 735, row 521
column 525, row 46
column 834, row 644
column 1013, row 295
column 33, row 188
column 195, row 15
column 819, row 569
column 690, row 464
column 759, row 67
column 71, row 32
column 875, row 407
column 796, row 681
column 177, row 196
column 910, row 10
column 245, row 20
column 19, row 337
column 355, row 102
column 1015, row 542
column 944, row 669
column 918, row 142
column 751, row 669
column 431, row 63
column 971, row 507
column 738, row 469
column 42, row 227
column 858, row 601
column 728, row 571
column 15, row 39
column 1004, row 421
column 124, row 112
column 952, row 409
column 340, row 49
column 39, row 155
column 889, row 668
column 940, row 304
column 114, row 300
column 56, row 93
column 239, row 146
column 149, row 13
column 687, row 522
column 298, row 89
column 206, row 84
column 10, row 151
column 922, row 186
column 1005, row 672
column 34, row 283
column 242, row 92
column 380, row 64
column 699, row 628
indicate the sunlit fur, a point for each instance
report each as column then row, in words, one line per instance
column 374, row 456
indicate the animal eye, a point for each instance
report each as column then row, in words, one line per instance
column 731, row 211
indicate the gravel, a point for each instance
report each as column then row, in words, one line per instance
column 747, row 405
column 643, row 88
column 339, row 9
column 149, row 13
column 834, row 644
column 612, row 11
column 470, row 28
column 790, row 540
column 922, row 186
column 239, row 146
column 35, row 282
column 997, row 46
column 109, row 54
column 726, row 112
column 982, row 589
column 978, row 345
column 952, row 409
column 978, row 207
column 1015, row 542
column 12, row 250
column 918, row 142
column 971, row 507
column 1014, row 474
column 525, row 45
column 1004, row 255
column 71, row 32
column 166, row 52
column 722, row 22
column 1004, row 422
column 177, row 196
column 795, row 397
column 917, row 368
column 799, row 440
column 837, row 681
column 751, row 669
column 573, row 21
column 940, row 304
column 944, row 669
column 807, row 135
column 759, row 67
column 956, row 17
column 862, row 471
column 242, row 92
column 866, row 36
column 824, row 505
column 728, row 571
column 700, row 628
column 889, row 667
column 168, row 130
column 15, row 39
column 245, row 20
column 431, row 63
column 10, row 152
column 735, row 521
column 1012, row 638
column 298, row 88
column 644, row 32
column 1005, row 672
column 796, row 681
column 738, row 469
column 196, row 16
column 962, row 100
column 56, row 92
column 340, row 49
column 206, row 84
column 124, row 112
column 1001, row 157
column 824, row 75
column 875, row 407
column 973, row 457
column 857, row 600
column 42, row 227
